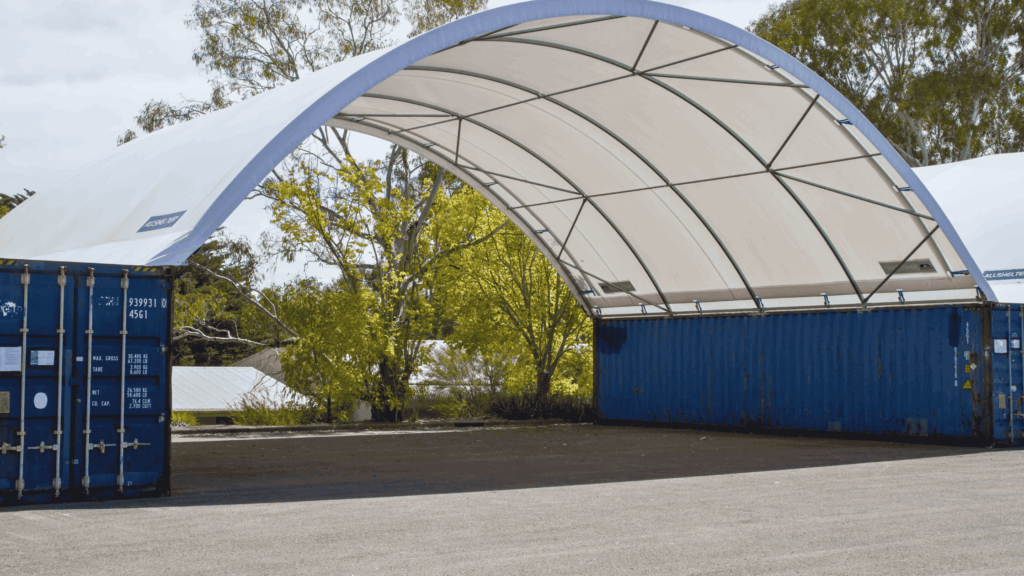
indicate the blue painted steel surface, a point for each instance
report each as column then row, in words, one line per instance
column 884, row 372
column 1007, row 374
column 146, row 369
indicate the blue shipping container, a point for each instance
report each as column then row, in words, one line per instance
column 951, row 373
column 84, row 381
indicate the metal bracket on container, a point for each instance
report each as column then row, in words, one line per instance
column 135, row 445
column 101, row 447
column 699, row 309
column 5, row 447
column 43, row 447
column 825, row 296
column 900, row 294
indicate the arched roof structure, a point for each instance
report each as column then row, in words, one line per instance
column 665, row 162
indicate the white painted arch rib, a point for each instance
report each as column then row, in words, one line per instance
column 657, row 156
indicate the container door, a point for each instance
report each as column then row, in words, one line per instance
column 123, row 324
column 1007, row 374
column 35, row 407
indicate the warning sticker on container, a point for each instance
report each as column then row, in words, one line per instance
column 162, row 221
column 41, row 357
column 10, row 358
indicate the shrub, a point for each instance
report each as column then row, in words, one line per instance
column 261, row 408
column 184, row 419
column 525, row 405
column 451, row 402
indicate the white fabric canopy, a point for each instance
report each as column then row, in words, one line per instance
column 665, row 162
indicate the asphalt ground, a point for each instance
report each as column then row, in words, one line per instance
column 566, row 499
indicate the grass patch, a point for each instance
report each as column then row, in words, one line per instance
column 184, row 419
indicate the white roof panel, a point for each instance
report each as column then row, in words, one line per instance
column 219, row 389
column 675, row 157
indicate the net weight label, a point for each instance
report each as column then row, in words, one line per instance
column 138, row 399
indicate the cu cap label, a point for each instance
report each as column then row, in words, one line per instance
column 164, row 221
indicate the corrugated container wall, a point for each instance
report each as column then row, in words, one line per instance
column 84, row 382
column 950, row 373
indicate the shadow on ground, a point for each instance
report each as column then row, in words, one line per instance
column 232, row 470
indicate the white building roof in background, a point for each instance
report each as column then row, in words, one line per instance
column 984, row 199
column 219, row 389
column 657, row 157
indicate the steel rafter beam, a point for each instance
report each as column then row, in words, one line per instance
column 532, row 183
column 793, row 131
column 854, row 196
column 554, row 169
column 668, row 183
column 358, row 117
column 657, row 187
column 725, row 80
column 826, row 162
column 403, row 140
column 644, row 47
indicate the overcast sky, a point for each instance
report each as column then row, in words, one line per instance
column 74, row 73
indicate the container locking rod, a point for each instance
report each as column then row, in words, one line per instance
column 20, row 485
column 62, row 281
column 124, row 345
column 90, row 281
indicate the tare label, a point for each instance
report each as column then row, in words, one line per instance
column 139, row 361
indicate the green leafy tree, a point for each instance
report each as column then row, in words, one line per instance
column 327, row 361
column 426, row 15
column 220, row 314
column 511, row 298
column 388, row 228
column 942, row 80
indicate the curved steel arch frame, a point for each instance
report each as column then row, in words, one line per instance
column 489, row 21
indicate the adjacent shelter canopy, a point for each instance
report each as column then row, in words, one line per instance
column 665, row 162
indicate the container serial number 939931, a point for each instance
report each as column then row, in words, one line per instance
column 146, row 302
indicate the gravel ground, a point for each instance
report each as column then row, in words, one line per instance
column 565, row 499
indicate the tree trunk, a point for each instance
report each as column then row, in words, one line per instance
column 543, row 384
column 390, row 386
